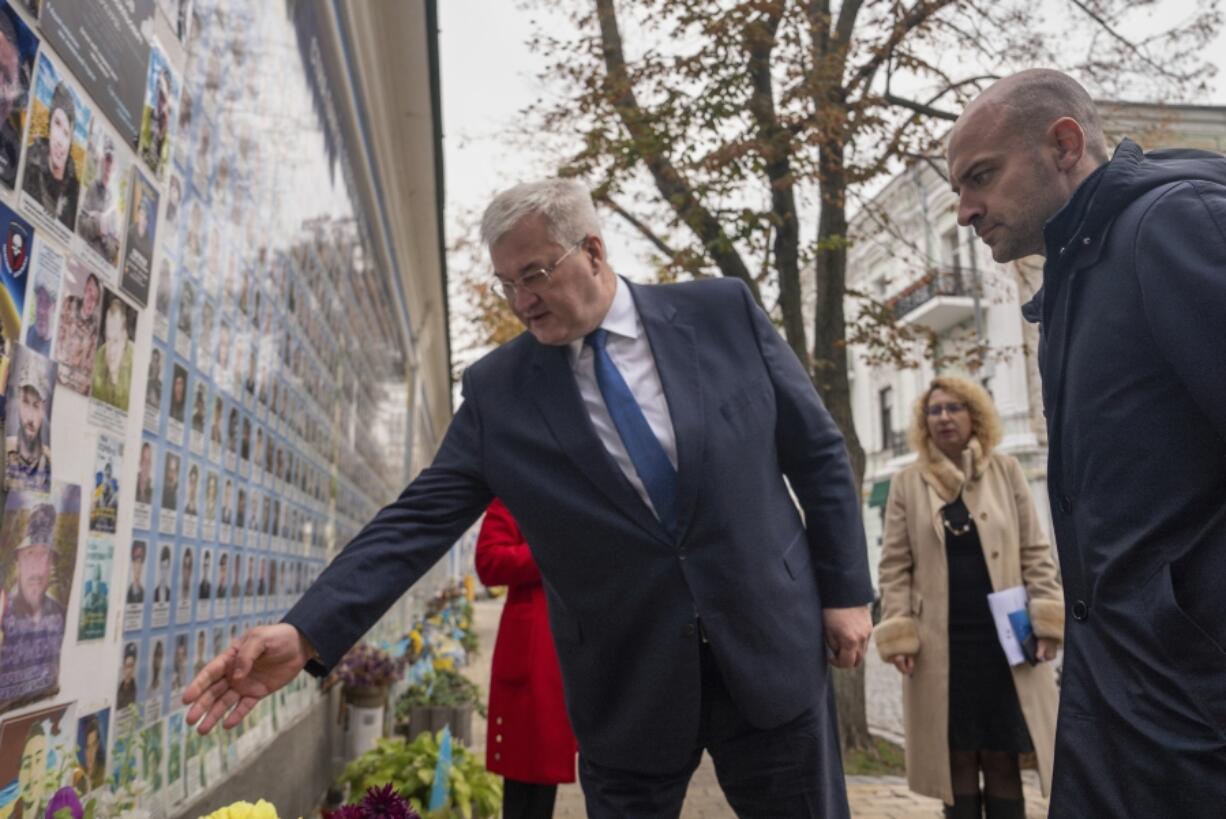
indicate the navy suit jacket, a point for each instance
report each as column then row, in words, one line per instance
column 624, row 595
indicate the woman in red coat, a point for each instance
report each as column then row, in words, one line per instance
column 529, row 741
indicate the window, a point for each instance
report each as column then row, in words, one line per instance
column 885, row 398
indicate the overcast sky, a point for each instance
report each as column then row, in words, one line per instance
column 489, row 75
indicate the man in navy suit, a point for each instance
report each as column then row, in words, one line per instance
column 646, row 439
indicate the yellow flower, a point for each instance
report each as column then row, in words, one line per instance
column 245, row 810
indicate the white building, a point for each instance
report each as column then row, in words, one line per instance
column 909, row 255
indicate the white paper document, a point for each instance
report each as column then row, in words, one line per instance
column 1012, row 621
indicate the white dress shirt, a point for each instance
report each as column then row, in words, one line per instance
column 631, row 353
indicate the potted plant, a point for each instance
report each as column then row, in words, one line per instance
column 365, row 674
column 442, row 698
column 409, row 768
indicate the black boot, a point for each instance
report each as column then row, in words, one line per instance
column 999, row 808
column 965, row 806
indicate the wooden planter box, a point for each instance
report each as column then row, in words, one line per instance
column 435, row 718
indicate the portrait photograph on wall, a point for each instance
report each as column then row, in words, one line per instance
column 27, row 421
column 18, row 45
column 103, row 214
column 80, row 324
column 18, row 238
column 47, row 268
column 142, row 230
column 112, row 377
column 38, row 552
column 31, row 747
column 55, row 147
column 161, row 91
column 96, row 588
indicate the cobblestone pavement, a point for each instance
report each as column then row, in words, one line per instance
column 871, row 797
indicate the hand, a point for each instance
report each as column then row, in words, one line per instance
column 254, row 666
column 847, row 633
column 1046, row 649
column 905, row 663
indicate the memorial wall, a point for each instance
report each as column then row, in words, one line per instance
column 207, row 373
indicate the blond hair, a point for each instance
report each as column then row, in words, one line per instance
column 985, row 420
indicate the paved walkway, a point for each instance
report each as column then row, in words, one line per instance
column 871, row 797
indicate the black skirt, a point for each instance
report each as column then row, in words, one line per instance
column 984, row 712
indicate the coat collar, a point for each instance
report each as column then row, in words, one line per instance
column 944, row 476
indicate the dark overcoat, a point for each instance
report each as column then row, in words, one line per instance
column 1133, row 359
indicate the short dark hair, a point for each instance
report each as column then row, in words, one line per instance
column 61, row 98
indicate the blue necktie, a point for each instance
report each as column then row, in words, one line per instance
column 646, row 453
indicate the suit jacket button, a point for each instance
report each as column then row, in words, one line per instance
column 1080, row 610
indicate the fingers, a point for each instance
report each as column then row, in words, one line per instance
column 207, row 699
column 240, row 711
column 224, row 703
column 208, row 676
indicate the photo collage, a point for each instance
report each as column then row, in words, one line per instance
column 167, row 322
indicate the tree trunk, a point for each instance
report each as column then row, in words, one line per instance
column 830, row 378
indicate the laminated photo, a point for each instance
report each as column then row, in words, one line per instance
column 96, row 589
column 112, row 376
column 92, row 734
column 153, row 389
column 55, row 147
column 105, row 182
column 142, row 232
column 183, row 589
column 178, row 404
column 145, row 482
column 80, row 325
column 17, row 48
column 31, row 746
column 47, row 269
column 161, row 586
column 135, row 594
column 27, row 419
column 161, row 92
column 38, row 552
column 104, row 501
column 18, row 238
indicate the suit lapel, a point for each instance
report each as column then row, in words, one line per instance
column 675, row 351
column 557, row 397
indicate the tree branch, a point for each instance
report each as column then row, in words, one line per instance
column 673, row 186
column 1129, row 44
column 920, row 108
column 636, row 223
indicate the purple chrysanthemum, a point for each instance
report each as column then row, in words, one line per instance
column 64, row 799
column 385, row 803
column 346, row 812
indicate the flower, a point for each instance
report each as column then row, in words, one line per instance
column 378, row 803
column 385, row 803
column 368, row 667
column 64, row 804
column 245, row 810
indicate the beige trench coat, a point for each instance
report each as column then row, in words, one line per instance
column 915, row 600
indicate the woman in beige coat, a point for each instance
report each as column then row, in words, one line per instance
column 960, row 523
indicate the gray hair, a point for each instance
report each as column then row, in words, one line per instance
column 565, row 204
column 1035, row 98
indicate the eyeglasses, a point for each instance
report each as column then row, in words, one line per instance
column 952, row 407
column 534, row 281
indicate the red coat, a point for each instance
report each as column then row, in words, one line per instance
column 529, row 737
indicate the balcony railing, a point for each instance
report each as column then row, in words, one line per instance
column 933, row 284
